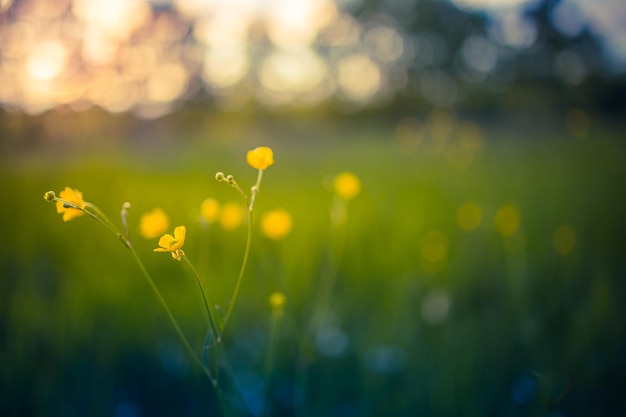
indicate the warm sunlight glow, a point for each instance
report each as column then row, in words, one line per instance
column 117, row 19
column 144, row 56
column 46, row 60
column 167, row 83
column 292, row 71
column 297, row 22
column 359, row 77
column 225, row 66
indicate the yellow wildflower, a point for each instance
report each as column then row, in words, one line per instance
column 347, row 185
column 232, row 216
column 260, row 158
column 469, row 216
column 277, row 300
column 210, row 209
column 276, row 224
column 434, row 246
column 74, row 197
column 153, row 224
column 173, row 244
column 507, row 220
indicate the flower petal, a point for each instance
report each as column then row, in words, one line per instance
column 166, row 242
column 179, row 234
column 260, row 158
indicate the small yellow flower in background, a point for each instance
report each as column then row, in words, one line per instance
column 173, row 244
column 507, row 220
column 276, row 224
column 346, row 185
column 434, row 246
column 564, row 239
column 153, row 224
column 469, row 216
column 260, row 158
column 210, row 210
column 232, row 216
column 73, row 196
column 277, row 300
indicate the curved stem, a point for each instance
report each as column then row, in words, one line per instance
column 239, row 279
column 173, row 321
column 206, row 303
column 255, row 189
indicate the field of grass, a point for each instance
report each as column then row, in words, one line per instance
column 514, row 310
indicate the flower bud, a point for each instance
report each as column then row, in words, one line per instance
column 49, row 196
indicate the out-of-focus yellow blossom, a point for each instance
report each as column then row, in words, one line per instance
column 469, row 216
column 153, row 224
column 564, row 239
column 434, row 246
column 507, row 220
column 346, row 185
column 173, row 244
column 210, row 210
column 277, row 300
column 75, row 197
column 232, row 216
column 260, row 158
column 276, row 224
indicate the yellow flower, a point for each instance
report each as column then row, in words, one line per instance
column 210, row 209
column 173, row 244
column 434, row 246
column 260, row 158
column 469, row 216
column 75, row 197
column 276, row 224
column 232, row 216
column 507, row 220
column 277, row 300
column 153, row 224
column 347, row 185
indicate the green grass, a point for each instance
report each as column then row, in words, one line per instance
column 498, row 326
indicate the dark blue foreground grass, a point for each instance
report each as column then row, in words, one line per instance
column 497, row 325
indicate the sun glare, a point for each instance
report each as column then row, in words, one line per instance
column 46, row 60
column 144, row 57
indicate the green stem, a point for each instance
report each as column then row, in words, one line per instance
column 173, row 321
column 277, row 318
column 95, row 213
column 320, row 308
column 204, row 298
column 255, row 189
column 327, row 283
column 246, row 254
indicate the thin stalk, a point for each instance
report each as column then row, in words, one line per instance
column 204, row 298
column 173, row 321
column 255, row 189
column 101, row 218
column 244, row 263
column 327, row 283
column 97, row 215
column 321, row 304
column 277, row 318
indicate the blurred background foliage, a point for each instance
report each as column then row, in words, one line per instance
column 483, row 267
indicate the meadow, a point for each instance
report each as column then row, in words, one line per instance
column 477, row 273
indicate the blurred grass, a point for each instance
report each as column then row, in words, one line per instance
column 495, row 326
